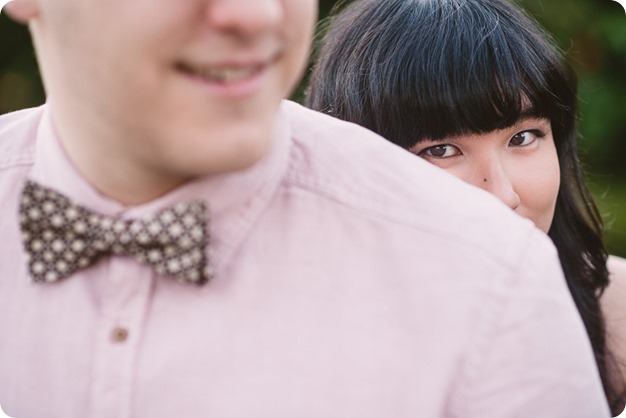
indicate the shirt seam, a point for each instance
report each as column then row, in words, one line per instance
column 368, row 208
column 17, row 163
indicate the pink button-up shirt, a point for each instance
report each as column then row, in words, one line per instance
column 351, row 280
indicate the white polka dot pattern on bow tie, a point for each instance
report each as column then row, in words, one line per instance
column 61, row 237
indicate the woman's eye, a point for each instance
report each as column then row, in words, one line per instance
column 525, row 138
column 440, row 151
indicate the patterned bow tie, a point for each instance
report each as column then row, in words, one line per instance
column 61, row 237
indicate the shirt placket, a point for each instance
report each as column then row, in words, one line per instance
column 118, row 337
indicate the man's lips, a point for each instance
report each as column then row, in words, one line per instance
column 222, row 74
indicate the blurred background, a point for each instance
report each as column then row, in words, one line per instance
column 592, row 32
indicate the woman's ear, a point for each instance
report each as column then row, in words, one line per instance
column 21, row 11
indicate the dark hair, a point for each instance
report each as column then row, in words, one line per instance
column 429, row 69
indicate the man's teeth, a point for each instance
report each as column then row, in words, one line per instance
column 226, row 74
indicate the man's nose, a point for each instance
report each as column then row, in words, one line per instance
column 248, row 17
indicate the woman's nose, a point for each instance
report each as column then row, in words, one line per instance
column 494, row 179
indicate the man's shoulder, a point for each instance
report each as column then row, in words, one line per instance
column 358, row 168
column 18, row 131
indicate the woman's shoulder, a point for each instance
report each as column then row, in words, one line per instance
column 614, row 309
column 614, row 297
column 618, row 263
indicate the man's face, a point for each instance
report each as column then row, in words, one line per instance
column 189, row 86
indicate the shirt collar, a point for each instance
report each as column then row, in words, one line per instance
column 235, row 199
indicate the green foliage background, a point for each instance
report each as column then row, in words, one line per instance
column 592, row 32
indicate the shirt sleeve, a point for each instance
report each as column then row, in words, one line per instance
column 533, row 357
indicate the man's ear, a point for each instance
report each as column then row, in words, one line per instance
column 21, row 10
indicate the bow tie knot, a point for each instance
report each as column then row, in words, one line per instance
column 61, row 237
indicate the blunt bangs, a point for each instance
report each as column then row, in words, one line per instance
column 467, row 81
column 425, row 62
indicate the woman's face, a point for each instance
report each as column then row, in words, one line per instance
column 519, row 165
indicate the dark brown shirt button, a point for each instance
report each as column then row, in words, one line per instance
column 119, row 334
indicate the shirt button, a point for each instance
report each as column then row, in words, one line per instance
column 119, row 334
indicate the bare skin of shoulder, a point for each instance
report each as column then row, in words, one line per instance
column 614, row 307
